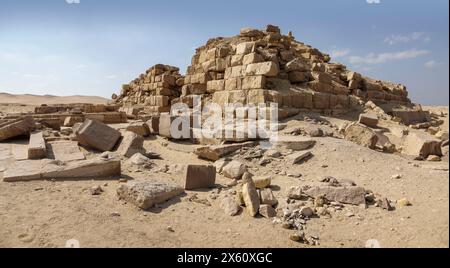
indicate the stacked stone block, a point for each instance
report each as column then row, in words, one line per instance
column 152, row 91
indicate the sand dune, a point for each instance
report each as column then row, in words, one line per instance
column 28, row 99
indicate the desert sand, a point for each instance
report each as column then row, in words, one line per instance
column 49, row 213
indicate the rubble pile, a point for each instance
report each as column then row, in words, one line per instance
column 260, row 66
column 151, row 92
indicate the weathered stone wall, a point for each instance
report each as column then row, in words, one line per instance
column 259, row 67
column 153, row 91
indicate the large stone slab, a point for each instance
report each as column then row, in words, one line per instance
column 17, row 128
column 216, row 152
column 295, row 143
column 146, row 194
column 370, row 120
column 65, row 151
column 361, row 135
column 97, row 135
column 131, row 144
column 199, row 177
column 347, row 195
column 50, row 169
column 421, row 145
column 37, row 148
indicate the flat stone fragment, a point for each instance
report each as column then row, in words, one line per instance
column 18, row 128
column 267, row 211
column 37, row 148
column 216, row 152
column 199, row 177
column 293, row 142
column 370, row 120
column 297, row 157
column 50, row 169
column 346, row 195
column 65, row 151
column 97, row 135
column 146, row 194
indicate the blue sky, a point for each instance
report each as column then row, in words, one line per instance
column 91, row 48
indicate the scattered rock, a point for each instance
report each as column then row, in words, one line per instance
column 199, row 177
column 320, row 201
column 384, row 203
column 298, row 157
column 296, row 193
column 403, row 203
column 421, row 145
column 145, row 194
column 370, row 120
column 220, row 164
column 293, row 142
column 314, row 131
column 234, row 170
column 396, row 177
column 229, row 205
column 361, row 135
column 140, row 128
column 262, row 182
column 267, row 211
column 250, row 196
column 267, row 197
column 139, row 159
column 131, row 144
column 307, row 211
column 353, row 195
column 272, row 153
column 96, row 190
column 434, row 158
column 216, row 152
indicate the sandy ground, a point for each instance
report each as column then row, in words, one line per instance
column 28, row 99
column 47, row 214
column 14, row 104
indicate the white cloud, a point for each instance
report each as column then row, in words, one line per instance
column 431, row 64
column 373, row 1
column 111, row 76
column 416, row 36
column 373, row 58
column 339, row 53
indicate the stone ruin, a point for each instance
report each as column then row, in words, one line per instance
column 152, row 92
column 261, row 67
column 256, row 67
